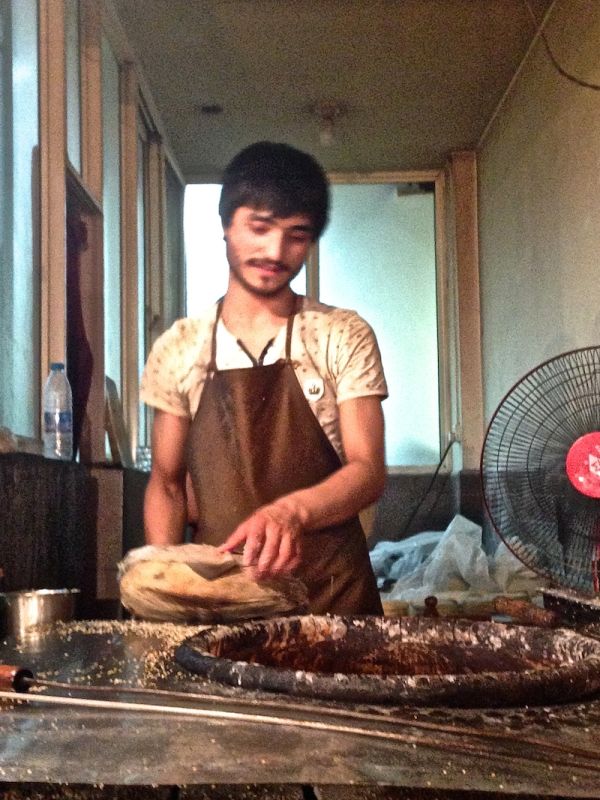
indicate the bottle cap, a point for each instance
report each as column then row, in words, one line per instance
column 57, row 365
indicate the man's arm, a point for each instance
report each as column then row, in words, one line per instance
column 165, row 513
column 271, row 534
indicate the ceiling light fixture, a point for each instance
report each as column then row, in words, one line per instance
column 211, row 109
column 328, row 112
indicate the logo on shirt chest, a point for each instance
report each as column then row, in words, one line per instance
column 313, row 389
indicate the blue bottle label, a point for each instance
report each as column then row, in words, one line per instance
column 58, row 421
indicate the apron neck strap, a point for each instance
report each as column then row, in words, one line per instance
column 212, row 364
column 289, row 328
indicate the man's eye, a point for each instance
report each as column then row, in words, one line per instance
column 259, row 228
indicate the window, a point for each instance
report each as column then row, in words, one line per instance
column 206, row 265
column 19, row 214
column 73, row 83
column 142, row 295
column 71, row 139
column 173, row 292
column 111, row 206
column 377, row 256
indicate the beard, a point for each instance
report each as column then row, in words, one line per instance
column 272, row 285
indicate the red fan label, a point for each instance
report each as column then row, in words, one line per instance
column 583, row 464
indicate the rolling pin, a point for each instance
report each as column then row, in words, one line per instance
column 526, row 613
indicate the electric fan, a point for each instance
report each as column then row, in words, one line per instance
column 540, row 470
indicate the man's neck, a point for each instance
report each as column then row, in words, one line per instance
column 256, row 311
column 254, row 319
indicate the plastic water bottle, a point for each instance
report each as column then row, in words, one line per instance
column 57, row 426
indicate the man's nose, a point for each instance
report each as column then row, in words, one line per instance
column 274, row 245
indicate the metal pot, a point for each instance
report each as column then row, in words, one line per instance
column 573, row 608
column 25, row 612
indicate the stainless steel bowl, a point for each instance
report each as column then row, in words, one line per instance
column 26, row 612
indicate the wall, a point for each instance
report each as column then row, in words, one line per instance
column 539, row 176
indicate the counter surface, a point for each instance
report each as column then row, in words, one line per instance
column 536, row 751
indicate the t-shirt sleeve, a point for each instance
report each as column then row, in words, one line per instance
column 358, row 367
column 160, row 384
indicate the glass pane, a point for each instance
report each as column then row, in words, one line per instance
column 206, row 265
column 72, row 66
column 19, row 217
column 377, row 256
column 173, row 277
column 112, row 215
column 141, row 259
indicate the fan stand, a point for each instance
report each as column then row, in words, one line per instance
column 540, row 472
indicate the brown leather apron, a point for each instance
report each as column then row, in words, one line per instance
column 253, row 439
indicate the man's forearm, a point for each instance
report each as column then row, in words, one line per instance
column 270, row 536
column 338, row 498
column 164, row 512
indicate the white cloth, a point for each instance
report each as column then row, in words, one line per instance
column 334, row 353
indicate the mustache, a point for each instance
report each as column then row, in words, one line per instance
column 267, row 262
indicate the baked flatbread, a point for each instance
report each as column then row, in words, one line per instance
column 158, row 584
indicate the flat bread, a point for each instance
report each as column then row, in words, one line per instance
column 171, row 590
column 202, row 558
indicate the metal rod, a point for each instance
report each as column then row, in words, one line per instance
column 26, row 681
column 117, row 705
column 114, row 705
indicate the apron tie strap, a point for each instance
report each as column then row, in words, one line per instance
column 212, row 364
column 289, row 328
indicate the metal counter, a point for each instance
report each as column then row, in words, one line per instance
column 535, row 751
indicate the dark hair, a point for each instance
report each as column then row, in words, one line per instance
column 277, row 177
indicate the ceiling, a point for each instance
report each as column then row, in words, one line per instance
column 415, row 79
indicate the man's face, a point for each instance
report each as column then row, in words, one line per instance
column 266, row 252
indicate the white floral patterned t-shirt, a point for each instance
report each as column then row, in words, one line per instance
column 334, row 354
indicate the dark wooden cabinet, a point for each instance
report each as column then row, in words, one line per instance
column 46, row 531
column 66, row 525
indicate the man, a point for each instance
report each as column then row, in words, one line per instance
column 271, row 402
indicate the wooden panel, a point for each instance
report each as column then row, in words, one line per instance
column 129, row 243
column 119, row 525
column 91, row 97
column 156, row 238
column 93, row 295
column 463, row 167
column 85, row 317
column 109, row 541
column 53, row 313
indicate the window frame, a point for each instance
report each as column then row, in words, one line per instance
column 137, row 107
column 53, row 311
column 444, row 338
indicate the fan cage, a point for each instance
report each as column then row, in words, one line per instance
column 549, row 526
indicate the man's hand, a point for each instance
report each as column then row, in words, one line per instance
column 271, row 536
column 271, row 539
